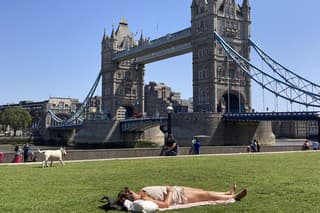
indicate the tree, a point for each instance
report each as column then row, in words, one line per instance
column 16, row 118
column 2, row 127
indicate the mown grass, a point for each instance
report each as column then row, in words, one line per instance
column 276, row 182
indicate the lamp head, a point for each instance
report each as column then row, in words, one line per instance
column 169, row 109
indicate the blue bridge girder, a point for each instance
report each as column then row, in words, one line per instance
column 272, row 116
column 66, row 127
column 141, row 124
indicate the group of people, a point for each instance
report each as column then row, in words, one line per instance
column 254, row 146
column 170, row 147
column 27, row 156
column 306, row 145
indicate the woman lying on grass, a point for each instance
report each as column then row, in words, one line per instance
column 164, row 196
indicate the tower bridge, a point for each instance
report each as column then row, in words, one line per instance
column 217, row 80
column 219, row 40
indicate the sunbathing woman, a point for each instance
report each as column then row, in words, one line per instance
column 164, row 196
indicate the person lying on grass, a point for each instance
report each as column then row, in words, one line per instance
column 164, row 196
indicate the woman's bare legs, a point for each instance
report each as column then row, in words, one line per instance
column 201, row 195
column 231, row 191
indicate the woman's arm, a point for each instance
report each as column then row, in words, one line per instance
column 172, row 147
column 162, row 204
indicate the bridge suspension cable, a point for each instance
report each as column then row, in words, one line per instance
column 77, row 116
column 287, row 75
column 280, row 88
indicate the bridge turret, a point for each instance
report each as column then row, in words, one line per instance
column 142, row 39
column 216, row 81
column 104, row 36
column 113, row 39
column 122, row 81
column 246, row 10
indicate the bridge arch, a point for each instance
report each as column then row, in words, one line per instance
column 229, row 102
column 128, row 111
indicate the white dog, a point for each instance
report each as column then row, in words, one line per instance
column 52, row 155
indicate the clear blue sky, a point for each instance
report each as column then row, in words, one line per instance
column 52, row 47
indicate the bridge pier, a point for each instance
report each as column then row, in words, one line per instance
column 107, row 133
column 218, row 132
column 60, row 136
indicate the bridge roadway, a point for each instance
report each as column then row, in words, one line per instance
column 140, row 124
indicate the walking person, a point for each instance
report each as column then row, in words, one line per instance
column 193, row 141
column 197, row 147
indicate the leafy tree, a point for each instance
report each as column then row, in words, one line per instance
column 16, row 118
column 2, row 127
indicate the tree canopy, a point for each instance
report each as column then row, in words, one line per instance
column 16, row 117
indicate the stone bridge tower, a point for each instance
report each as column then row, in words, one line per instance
column 218, row 84
column 122, row 82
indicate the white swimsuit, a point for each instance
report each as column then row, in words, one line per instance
column 160, row 192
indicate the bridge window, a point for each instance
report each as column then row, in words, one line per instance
column 236, row 26
column 119, row 75
column 128, row 76
column 108, row 91
column 61, row 105
column 128, row 91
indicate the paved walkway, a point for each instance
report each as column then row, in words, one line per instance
column 57, row 163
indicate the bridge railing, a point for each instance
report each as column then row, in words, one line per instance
column 140, row 123
column 269, row 116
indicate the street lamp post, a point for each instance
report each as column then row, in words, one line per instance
column 169, row 111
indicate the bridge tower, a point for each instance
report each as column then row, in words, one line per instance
column 122, row 82
column 218, row 83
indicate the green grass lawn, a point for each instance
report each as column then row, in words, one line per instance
column 276, row 182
